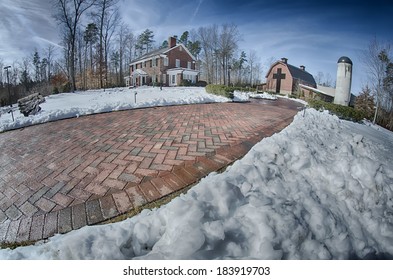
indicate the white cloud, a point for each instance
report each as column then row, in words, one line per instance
column 21, row 22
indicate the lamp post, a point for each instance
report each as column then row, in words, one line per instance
column 9, row 91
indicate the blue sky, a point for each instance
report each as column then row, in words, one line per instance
column 310, row 33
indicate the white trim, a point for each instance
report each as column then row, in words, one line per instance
column 139, row 72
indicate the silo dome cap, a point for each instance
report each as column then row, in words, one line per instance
column 344, row 59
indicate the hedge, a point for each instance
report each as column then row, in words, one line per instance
column 343, row 112
column 220, row 90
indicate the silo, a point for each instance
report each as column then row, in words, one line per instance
column 344, row 80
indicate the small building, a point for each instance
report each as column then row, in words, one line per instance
column 341, row 94
column 167, row 66
column 284, row 78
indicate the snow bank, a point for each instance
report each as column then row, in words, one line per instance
column 263, row 95
column 67, row 105
column 245, row 96
column 318, row 190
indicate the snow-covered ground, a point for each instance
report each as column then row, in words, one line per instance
column 320, row 189
column 245, row 96
column 67, row 105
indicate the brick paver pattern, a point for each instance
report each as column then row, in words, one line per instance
column 63, row 175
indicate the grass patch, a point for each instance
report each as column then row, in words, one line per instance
column 15, row 245
column 343, row 112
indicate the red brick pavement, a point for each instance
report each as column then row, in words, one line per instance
column 63, row 175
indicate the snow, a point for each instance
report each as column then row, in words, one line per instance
column 245, row 96
column 67, row 105
column 263, row 95
column 320, row 189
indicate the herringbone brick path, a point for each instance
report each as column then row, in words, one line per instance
column 61, row 176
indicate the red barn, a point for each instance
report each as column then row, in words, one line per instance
column 285, row 78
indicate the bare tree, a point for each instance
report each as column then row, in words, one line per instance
column 376, row 69
column 319, row 78
column 106, row 16
column 252, row 61
column 124, row 38
column 49, row 54
column 228, row 44
column 68, row 14
column 218, row 46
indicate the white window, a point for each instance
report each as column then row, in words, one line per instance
column 189, row 65
column 166, row 61
column 173, row 79
column 164, row 78
column 177, row 63
column 154, row 63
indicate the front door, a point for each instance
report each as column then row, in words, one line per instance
column 173, row 80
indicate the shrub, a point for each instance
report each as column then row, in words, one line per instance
column 185, row 83
column 201, row 84
column 55, row 90
column 220, row 90
column 343, row 112
column 66, row 87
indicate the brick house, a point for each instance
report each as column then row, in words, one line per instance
column 285, row 78
column 169, row 66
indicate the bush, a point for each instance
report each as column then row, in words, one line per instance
column 66, row 87
column 55, row 90
column 220, row 90
column 201, row 84
column 343, row 112
column 185, row 83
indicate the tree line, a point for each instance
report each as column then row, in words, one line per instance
column 376, row 97
column 97, row 47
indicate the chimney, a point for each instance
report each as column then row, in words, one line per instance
column 285, row 60
column 303, row 67
column 171, row 42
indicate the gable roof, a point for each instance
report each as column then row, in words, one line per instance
column 302, row 75
column 296, row 73
column 161, row 52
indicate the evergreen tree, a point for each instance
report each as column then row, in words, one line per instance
column 37, row 66
column 25, row 80
column 164, row 44
column 184, row 38
column 145, row 41
column 194, row 47
column 365, row 102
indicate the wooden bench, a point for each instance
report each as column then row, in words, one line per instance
column 29, row 105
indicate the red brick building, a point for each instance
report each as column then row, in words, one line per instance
column 285, row 78
column 169, row 66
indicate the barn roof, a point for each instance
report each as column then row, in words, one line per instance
column 302, row 75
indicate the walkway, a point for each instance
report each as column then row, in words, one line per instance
column 63, row 175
